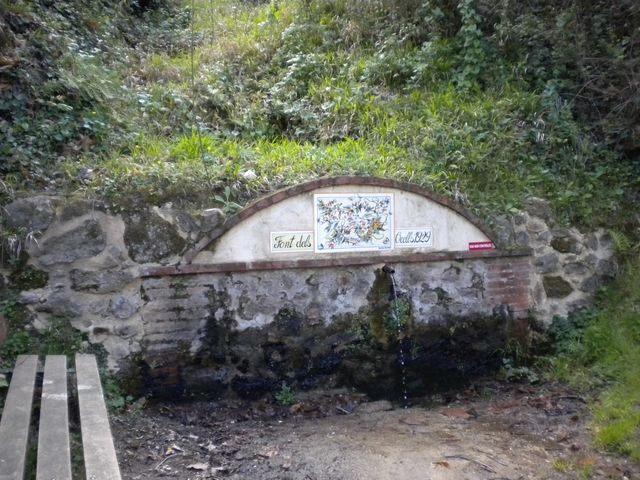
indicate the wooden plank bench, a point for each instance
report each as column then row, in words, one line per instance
column 53, row 445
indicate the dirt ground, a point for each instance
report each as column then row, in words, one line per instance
column 491, row 431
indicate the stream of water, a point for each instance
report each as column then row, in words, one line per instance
column 401, row 353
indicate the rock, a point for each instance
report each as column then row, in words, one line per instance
column 313, row 314
column 122, row 308
column 535, row 225
column 186, row 222
column 606, row 240
column 544, row 236
column 86, row 240
column 58, row 303
column 128, row 331
column 539, row 296
column 539, row 208
column 504, row 231
column 373, row 407
column 105, row 281
column 577, row 268
column 520, row 218
column 523, row 239
column 76, row 208
column 607, row 268
column 592, row 284
column 591, row 260
column 31, row 298
column 547, row 263
column 212, row 218
column 556, row 287
column 592, row 241
column 151, row 239
column 564, row 242
column 32, row 214
column 99, row 307
column 112, row 257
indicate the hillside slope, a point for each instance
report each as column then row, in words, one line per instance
column 175, row 100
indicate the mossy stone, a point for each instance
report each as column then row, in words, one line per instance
column 556, row 287
column 151, row 239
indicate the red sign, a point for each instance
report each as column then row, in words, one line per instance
column 475, row 246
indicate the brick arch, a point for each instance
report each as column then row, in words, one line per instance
column 324, row 182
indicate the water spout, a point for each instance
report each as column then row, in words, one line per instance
column 399, row 325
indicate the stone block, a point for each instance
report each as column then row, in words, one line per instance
column 186, row 222
column 86, row 240
column 523, row 239
column 591, row 241
column 592, row 284
column 504, row 231
column 577, row 268
column 536, row 226
column 31, row 214
column 211, row 219
column 540, row 208
column 59, row 303
column 607, row 268
column 77, row 208
column 564, row 242
column 556, row 286
column 123, row 308
column 105, row 281
column 151, row 239
column 548, row 263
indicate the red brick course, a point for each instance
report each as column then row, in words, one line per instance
column 507, row 283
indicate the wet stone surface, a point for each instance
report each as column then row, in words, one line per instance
column 360, row 351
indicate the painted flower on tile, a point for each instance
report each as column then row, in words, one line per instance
column 348, row 222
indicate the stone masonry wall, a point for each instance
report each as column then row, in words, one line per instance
column 569, row 266
column 177, row 309
column 232, row 323
column 249, row 331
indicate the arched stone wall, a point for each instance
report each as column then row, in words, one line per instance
column 161, row 285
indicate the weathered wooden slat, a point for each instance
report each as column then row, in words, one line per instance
column 100, row 459
column 54, row 455
column 16, row 418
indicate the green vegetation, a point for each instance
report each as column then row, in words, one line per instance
column 116, row 399
column 600, row 349
column 58, row 338
column 397, row 319
column 286, row 395
column 187, row 101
